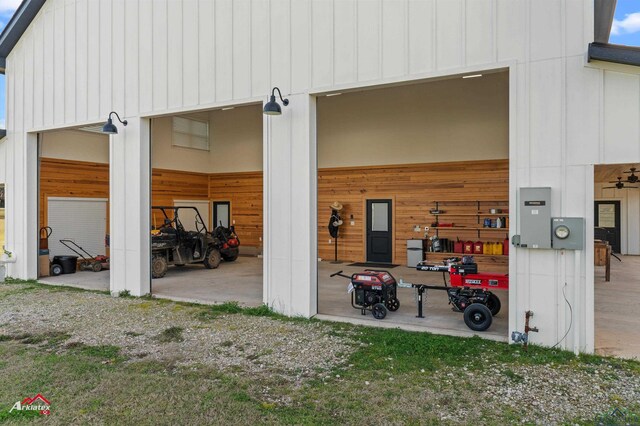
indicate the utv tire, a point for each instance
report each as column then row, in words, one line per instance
column 494, row 305
column 159, row 266
column 55, row 270
column 230, row 257
column 212, row 259
column 478, row 317
column 379, row 311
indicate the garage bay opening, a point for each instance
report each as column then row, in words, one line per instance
column 413, row 204
column 206, row 215
column 74, row 208
column 617, row 259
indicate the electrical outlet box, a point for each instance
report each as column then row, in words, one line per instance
column 535, row 218
column 568, row 233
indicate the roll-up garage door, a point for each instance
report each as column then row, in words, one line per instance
column 82, row 220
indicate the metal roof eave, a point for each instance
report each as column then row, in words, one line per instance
column 615, row 53
column 16, row 27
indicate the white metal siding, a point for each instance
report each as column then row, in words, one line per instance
column 82, row 220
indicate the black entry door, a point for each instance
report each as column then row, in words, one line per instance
column 379, row 240
column 607, row 223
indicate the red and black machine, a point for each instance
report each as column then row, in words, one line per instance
column 373, row 290
column 470, row 291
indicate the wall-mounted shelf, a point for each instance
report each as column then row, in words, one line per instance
column 471, row 210
column 469, row 228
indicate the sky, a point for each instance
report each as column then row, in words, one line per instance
column 626, row 23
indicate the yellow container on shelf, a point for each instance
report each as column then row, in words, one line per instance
column 488, row 248
column 497, row 248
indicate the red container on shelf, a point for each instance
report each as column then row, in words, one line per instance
column 468, row 247
column 458, row 247
column 477, row 247
column 505, row 247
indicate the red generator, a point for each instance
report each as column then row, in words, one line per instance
column 374, row 291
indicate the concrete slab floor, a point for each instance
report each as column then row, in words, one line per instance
column 617, row 309
column 334, row 303
column 239, row 281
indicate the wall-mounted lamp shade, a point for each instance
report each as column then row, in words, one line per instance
column 273, row 107
column 110, row 128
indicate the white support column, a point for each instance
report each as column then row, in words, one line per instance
column 290, row 225
column 129, row 172
column 21, row 207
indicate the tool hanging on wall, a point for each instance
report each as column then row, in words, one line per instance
column 334, row 227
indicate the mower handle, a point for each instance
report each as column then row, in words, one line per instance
column 340, row 274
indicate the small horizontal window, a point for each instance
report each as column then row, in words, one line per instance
column 189, row 133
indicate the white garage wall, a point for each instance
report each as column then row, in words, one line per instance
column 3, row 156
column 75, row 145
column 81, row 59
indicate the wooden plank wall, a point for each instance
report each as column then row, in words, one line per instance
column 414, row 190
column 63, row 178
column 244, row 190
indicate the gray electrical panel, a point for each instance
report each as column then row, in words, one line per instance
column 568, row 233
column 535, row 218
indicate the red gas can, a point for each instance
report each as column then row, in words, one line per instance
column 468, row 247
column 458, row 247
column 505, row 247
column 477, row 247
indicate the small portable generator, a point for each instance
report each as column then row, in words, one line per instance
column 374, row 291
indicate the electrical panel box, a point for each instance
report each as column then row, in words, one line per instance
column 568, row 233
column 535, row 218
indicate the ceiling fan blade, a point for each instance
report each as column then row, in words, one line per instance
column 609, row 187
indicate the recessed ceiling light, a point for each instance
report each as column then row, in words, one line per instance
column 472, row 76
column 333, row 94
column 227, row 108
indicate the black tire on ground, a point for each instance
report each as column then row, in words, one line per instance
column 55, row 270
column 379, row 311
column 231, row 256
column 83, row 266
column 159, row 266
column 212, row 259
column 97, row 267
column 494, row 305
column 478, row 317
column 393, row 304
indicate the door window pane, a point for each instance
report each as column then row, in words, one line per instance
column 607, row 215
column 222, row 215
column 380, row 217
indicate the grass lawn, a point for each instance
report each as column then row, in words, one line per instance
column 390, row 376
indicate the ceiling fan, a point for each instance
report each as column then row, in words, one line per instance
column 619, row 185
column 633, row 178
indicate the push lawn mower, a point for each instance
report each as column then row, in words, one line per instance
column 374, row 291
column 89, row 262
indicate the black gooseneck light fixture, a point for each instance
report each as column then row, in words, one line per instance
column 273, row 107
column 111, row 128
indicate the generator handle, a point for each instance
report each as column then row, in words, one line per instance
column 340, row 274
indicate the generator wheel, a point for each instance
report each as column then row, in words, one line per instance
column 159, row 266
column 212, row 259
column 97, row 267
column 55, row 269
column 478, row 317
column 379, row 311
column 494, row 305
column 393, row 304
